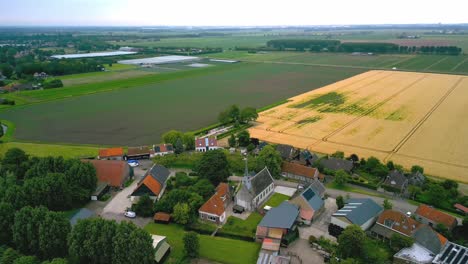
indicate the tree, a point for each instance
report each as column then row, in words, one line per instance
column 443, row 230
column 181, row 213
column 189, row 141
column 413, row 191
column 191, row 244
column 243, row 138
column 126, row 240
column 15, row 161
column 232, row 141
column 178, row 147
column 214, row 166
column 9, row 256
column 351, row 242
column 387, row 205
column 338, row 154
column 56, row 261
column 144, row 206
column 269, row 157
column 340, row 202
column 398, row 242
column 450, row 185
column 7, row 215
column 26, row 260
column 203, row 187
column 341, row 177
column 436, row 194
column 172, row 136
column 248, row 114
column 390, row 165
column 417, row 168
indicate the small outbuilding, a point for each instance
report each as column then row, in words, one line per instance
column 161, row 248
column 136, row 153
column 161, row 217
column 111, row 154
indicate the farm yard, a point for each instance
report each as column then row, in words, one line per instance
column 139, row 110
column 400, row 116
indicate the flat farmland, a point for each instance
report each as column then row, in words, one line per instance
column 410, row 118
column 140, row 114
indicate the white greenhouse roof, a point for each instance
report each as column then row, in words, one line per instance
column 94, row 54
column 160, row 60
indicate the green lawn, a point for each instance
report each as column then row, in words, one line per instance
column 155, row 104
column 218, row 249
column 245, row 227
column 276, row 199
column 44, row 150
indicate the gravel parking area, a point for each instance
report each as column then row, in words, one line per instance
column 302, row 249
column 285, row 190
column 319, row 226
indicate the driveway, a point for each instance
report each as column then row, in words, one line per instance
column 319, row 226
column 302, row 249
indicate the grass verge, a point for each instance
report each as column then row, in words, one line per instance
column 276, row 199
column 348, row 188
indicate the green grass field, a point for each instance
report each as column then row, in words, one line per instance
column 217, row 249
column 245, row 227
column 276, row 199
column 155, row 104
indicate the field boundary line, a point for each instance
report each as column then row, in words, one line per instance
column 431, row 160
column 388, row 65
column 424, row 118
column 435, row 63
column 373, row 108
column 459, row 64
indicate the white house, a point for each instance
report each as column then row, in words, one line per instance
column 206, row 144
column 161, row 150
column 255, row 190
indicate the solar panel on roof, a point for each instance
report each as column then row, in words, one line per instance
column 465, row 259
column 451, row 255
column 308, row 194
column 447, row 251
column 459, row 256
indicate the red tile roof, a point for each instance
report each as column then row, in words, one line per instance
column 436, row 215
column 215, row 205
column 206, row 142
column 398, row 221
column 152, row 184
column 114, row 172
column 138, row 151
column 111, row 152
column 160, row 216
column 298, row 169
column 461, row 208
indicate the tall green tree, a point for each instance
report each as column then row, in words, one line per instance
column 178, row 147
column 132, row 245
column 351, row 242
column 9, row 256
column 214, row 166
column 269, row 157
column 341, row 177
column 398, row 242
column 417, row 168
column 56, row 261
column 15, row 161
column 232, row 141
column 248, row 114
column 191, row 244
column 189, row 141
column 243, row 138
column 7, row 216
column 26, row 260
column 387, row 205
column 340, row 202
column 171, row 136
column 144, row 206
column 181, row 213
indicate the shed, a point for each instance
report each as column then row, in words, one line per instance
column 161, row 217
column 161, row 248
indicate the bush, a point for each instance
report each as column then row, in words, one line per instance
column 312, row 239
column 105, row 197
column 55, row 83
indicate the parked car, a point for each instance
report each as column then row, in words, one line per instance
column 130, row 214
column 133, row 163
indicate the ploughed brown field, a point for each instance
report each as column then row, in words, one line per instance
column 409, row 118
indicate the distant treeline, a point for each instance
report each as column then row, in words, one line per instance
column 338, row 46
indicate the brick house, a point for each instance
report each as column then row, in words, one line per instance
column 214, row 209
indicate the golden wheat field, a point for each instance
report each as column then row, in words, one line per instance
column 409, row 118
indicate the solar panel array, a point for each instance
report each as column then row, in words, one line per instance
column 453, row 254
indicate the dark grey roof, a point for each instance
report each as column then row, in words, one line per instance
column 396, row 179
column 417, row 179
column 286, row 151
column 335, row 164
column 282, row 216
column 159, row 173
column 428, row 238
column 313, row 198
column 452, row 254
column 359, row 211
column 260, row 181
column 318, row 187
column 83, row 213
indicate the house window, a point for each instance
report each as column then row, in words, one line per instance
column 212, row 218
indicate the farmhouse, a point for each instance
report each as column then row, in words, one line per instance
column 310, row 203
column 162, row 149
column 361, row 212
column 431, row 216
column 255, row 190
column 417, row 179
column 306, row 158
column 300, row 172
column 395, row 182
column 393, row 222
column 335, row 164
column 161, row 248
column 152, row 184
column 112, row 172
column 214, row 209
column 277, row 223
column 142, row 152
column 287, row 152
column 206, row 144
column 111, row 154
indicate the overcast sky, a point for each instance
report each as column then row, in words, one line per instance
column 230, row 13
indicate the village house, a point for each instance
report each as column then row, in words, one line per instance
column 152, row 184
column 393, row 222
column 335, row 164
column 214, row 209
column 431, row 216
column 362, row 212
column 300, row 172
column 162, row 149
column 395, row 182
column 206, row 144
column 306, row 158
column 255, row 190
column 111, row 154
column 110, row 173
column 278, row 223
column 417, row 179
column 310, row 202
column 136, row 153
column 287, row 152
